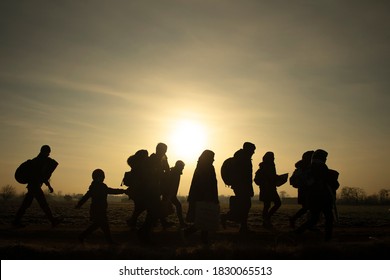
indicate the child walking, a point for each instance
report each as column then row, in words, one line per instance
column 98, row 192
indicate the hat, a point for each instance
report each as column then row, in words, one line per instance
column 206, row 156
column 320, row 155
column 307, row 156
column 249, row 146
column 268, row 156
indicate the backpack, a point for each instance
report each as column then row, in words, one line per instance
column 228, row 171
column 24, row 172
column 259, row 177
column 128, row 179
column 297, row 179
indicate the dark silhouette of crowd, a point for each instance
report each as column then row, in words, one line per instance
column 153, row 186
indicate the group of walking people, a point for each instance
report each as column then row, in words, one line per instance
column 153, row 186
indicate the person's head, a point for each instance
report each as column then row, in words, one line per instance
column 268, row 157
column 98, row 175
column 207, row 157
column 139, row 157
column 306, row 157
column 45, row 150
column 179, row 165
column 249, row 148
column 161, row 149
column 319, row 155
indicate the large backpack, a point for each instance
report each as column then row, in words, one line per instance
column 23, row 173
column 297, row 179
column 259, row 177
column 229, row 171
column 128, row 179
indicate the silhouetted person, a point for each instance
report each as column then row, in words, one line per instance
column 98, row 192
column 242, row 187
column 267, row 179
column 160, row 167
column 322, row 185
column 41, row 169
column 203, row 188
column 136, row 191
column 298, row 180
column 157, row 168
column 170, row 188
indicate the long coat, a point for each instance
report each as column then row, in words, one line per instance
column 203, row 188
column 266, row 178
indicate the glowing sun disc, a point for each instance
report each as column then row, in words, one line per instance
column 188, row 139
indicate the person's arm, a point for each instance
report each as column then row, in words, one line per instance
column 47, row 183
column 115, row 191
column 83, row 199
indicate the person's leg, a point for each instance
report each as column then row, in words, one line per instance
column 311, row 221
column 266, row 207
column 94, row 226
column 328, row 222
column 297, row 215
column 152, row 208
column 190, row 230
column 245, row 204
column 179, row 211
column 40, row 197
column 26, row 203
column 275, row 207
column 204, row 235
column 106, row 230
column 139, row 207
column 234, row 209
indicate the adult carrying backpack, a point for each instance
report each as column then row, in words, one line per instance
column 229, row 171
column 24, row 172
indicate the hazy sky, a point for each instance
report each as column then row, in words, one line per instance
column 98, row 80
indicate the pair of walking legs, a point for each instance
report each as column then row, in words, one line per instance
column 37, row 193
column 315, row 213
column 269, row 211
column 101, row 223
column 239, row 207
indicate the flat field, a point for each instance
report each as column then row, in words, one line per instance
column 362, row 232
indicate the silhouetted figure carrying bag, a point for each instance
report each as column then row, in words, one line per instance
column 36, row 172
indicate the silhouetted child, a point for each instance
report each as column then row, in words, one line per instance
column 98, row 192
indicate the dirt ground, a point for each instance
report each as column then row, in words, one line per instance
column 362, row 232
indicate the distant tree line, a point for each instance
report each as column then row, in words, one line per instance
column 345, row 195
column 357, row 196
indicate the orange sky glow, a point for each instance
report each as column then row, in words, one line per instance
column 99, row 82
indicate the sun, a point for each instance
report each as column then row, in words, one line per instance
column 188, row 139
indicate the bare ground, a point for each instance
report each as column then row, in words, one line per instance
column 361, row 233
